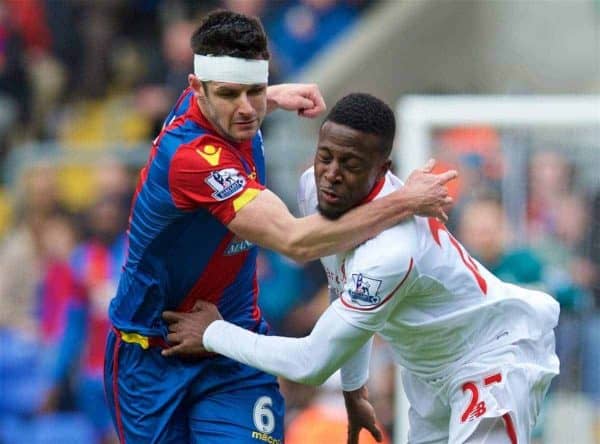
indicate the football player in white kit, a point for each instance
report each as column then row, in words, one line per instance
column 477, row 354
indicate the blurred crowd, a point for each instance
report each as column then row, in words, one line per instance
column 94, row 76
column 94, row 73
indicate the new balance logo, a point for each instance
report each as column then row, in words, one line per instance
column 478, row 411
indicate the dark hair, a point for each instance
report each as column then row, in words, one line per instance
column 226, row 33
column 366, row 113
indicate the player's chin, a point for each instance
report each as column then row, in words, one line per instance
column 245, row 132
column 330, row 212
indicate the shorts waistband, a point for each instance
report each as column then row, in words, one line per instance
column 143, row 341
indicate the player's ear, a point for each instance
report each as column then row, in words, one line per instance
column 385, row 167
column 195, row 84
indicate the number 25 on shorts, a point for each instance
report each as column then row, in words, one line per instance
column 477, row 408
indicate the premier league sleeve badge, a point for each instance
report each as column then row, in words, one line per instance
column 365, row 290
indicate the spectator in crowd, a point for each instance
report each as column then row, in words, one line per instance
column 484, row 230
column 54, row 288
column 22, row 251
column 550, row 181
column 155, row 97
column 57, row 285
column 95, row 265
column 32, row 286
column 571, row 271
column 112, row 118
column 475, row 152
column 252, row 8
column 570, row 276
column 591, row 369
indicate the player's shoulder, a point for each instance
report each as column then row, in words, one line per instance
column 388, row 253
column 206, row 151
column 307, row 179
column 307, row 185
column 306, row 194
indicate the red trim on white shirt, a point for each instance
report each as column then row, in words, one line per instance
column 510, row 428
column 386, row 298
column 374, row 192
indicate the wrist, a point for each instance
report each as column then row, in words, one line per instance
column 212, row 333
column 406, row 205
column 272, row 103
column 351, row 396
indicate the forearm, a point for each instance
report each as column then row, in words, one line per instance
column 315, row 236
column 267, row 222
column 308, row 360
column 355, row 372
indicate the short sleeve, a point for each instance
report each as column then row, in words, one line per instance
column 376, row 276
column 208, row 174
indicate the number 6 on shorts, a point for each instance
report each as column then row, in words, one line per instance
column 264, row 420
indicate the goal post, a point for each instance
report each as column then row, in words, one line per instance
column 419, row 117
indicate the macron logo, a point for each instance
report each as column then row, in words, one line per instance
column 211, row 154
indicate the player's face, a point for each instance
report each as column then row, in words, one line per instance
column 348, row 163
column 236, row 110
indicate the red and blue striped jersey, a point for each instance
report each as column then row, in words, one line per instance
column 180, row 249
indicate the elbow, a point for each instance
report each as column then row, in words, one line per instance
column 314, row 375
column 301, row 255
column 317, row 379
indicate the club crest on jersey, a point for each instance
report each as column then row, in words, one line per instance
column 365, row 290
column 226, row 183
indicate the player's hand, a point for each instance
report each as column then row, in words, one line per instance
column 428, row 191
column 361, row 414
column 306, row 99
column 50, row 401
column 186, row 330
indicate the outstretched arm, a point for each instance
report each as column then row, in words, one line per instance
column 308, row 360
column 267, row 222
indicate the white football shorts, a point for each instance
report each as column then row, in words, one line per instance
column 494, row 399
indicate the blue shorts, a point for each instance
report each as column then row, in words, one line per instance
column 154, row 399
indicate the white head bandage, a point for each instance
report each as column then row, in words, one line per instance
column 231, row 69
